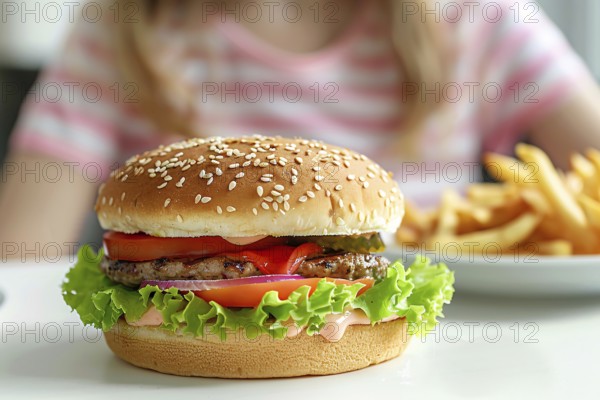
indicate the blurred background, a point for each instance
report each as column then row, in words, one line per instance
column 26, row 44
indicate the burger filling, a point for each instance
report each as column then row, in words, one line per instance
column 344, row 257
column 349, row 266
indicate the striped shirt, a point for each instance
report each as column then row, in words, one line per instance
column 511, row 69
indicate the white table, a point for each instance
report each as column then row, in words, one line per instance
column 485, row 348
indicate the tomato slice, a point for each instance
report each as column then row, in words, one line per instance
column 141, row 247
column 278, row 259
column 250, row 295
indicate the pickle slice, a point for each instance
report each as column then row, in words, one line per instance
column 364, row 244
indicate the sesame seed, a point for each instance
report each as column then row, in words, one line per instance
column 246, row 164
column 168, row 178
column 274, row 162
column 341, row 203
column 232, row 185
column 270, row 156
column 206, row 200
column 265, row 205
column 236, row 165
column 339, row 221
column 328, row 193
column 240, row 175
column 361, row 216
column 202, row 174
column 164, row 173
column 298, row 160
column 219, row 210
column 265, row 179
column 302, row 199
column 365, row 185
column 310, row 194
column 279, row 199
column 230, row 209
column 179, row 154
column 319, row 178
column 275, row 206
column 167, row 201
column 124, row 178
column 294, row 172
column 119, row 210
column 381, row 193
column 179, row 219
column 352, row 207
column 371, row 175
column 260, row 190
column 198, row 198
column 351, row 177
column 294, row 180
column 186, row 167
column 279, row 187
column 263, row 164
column 275, row 193
column 268, row 198
column 209, row 181
column 162, row 185
column 215, row 162
column 346, row 163
column 338, row 187
column 362, row 178
column 110, row 202
column 180, row 183
column 316, row 168
column 317, row 186
column 218, row 171
column 286, row 206
column 152, row 175
column 286, row 197
column 103, row 200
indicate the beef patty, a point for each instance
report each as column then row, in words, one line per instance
column 347, row 266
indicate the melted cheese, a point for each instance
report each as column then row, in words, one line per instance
column 242, row 241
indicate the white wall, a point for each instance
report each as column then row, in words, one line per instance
column 580, row 22
column 32, row 30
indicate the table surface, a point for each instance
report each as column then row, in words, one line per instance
column 484, row 348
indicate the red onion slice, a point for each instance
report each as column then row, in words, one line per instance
column 199, row 285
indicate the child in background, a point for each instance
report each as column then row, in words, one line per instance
column 421, row 87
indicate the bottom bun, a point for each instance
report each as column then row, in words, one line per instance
column 263, row 357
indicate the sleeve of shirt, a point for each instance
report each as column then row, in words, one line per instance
column 73, row 111
column 525, row 68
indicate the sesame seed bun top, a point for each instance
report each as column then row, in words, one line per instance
column 249, row 186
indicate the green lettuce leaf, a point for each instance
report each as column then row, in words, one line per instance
column 417, row 294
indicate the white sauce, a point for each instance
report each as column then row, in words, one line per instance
column 333, row 331
column 242, row 241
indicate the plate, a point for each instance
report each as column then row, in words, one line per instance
column 516, row 275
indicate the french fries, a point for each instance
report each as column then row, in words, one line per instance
column 535, row 209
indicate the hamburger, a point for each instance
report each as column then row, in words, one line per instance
column 252, row 257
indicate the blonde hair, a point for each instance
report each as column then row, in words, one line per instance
column 418, row 43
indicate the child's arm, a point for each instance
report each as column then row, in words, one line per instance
column 572, row 127
column 41, row 214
